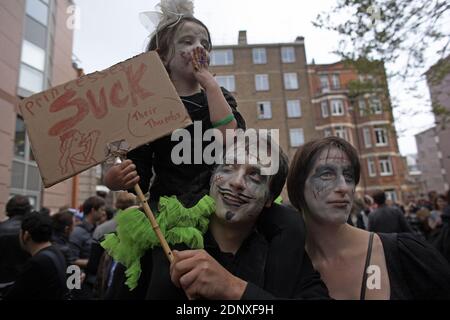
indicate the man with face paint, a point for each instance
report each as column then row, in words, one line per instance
column 236, row 262
column 353, row 263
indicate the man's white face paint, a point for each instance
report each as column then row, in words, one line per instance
column 190, row 36
column 330, row 187
column 240, row 190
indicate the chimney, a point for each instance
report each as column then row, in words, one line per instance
column 242, row 40
column 300, row 39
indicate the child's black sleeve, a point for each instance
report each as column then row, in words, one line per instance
column 142, row 157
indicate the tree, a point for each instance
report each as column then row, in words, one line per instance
column 400, row 33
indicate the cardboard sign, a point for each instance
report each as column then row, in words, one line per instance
column 80, row 124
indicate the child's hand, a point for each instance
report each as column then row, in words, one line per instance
column 200, row 63
column 121, row 176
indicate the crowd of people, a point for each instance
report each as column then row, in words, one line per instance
column 231, row 238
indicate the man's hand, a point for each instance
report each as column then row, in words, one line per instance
column 121, row 176
column 200, row 276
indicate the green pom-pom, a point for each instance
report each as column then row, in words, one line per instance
column 134, row 233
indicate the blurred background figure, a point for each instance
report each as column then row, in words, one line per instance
column 44, row 275
column 100, row 264
column 12, row 257
column 80, row 242
column 387, row 219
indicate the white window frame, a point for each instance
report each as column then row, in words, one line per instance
column 324, row 81
column 288, row 54
column 225, row 54
column 324, row 109
column 371, row 167
column 291, row 81
column 337, row 107
column 227, row 81
column 259, row 55
column 391, row 195
column 367, row 136
column 341, row 129
column 336, row 83
column 327, row 132
column 294, row 108
column 381, row 136
column 266, row 110
column 262, row 82
column 296, row 137
column 375, row 105
column 385, row 166
column 362, row 107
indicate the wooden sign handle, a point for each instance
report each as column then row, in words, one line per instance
column 154, row 223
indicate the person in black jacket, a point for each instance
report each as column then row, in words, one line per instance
column 354, row 263
column 44, row 275
column 387, row 219
column 12, row 257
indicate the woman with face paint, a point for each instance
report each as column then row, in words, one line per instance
column 354, row 263
column 183, row 44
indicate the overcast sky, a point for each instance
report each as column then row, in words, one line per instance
column 110, row 31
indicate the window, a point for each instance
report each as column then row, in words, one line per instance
column 33, row 56
column 324, row 84
column 227, row 82
column 324, row 108
column 362, row 107
column 375, row 105
column 287, row 54
column 294, row 109
column 335, row 81
column 371, row 167
column 327, row 133
column 262, row 82
column 385, row 166
column 259, row 56
column 35, row 32
column 297, row 137
column 25, row 178
column 391, row 195
column 337, row 107
column 30, row 79
column 367, row 137
column 264, row 110
column 341, row 132
column 290, row 81
column 37, row 10
column 222, row 57
column 380, row 136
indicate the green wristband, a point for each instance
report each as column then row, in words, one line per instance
column 224, row 121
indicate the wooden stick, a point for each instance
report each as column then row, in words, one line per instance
column 154, row 223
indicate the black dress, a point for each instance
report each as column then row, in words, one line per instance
column 189, row 182
column 416, row 269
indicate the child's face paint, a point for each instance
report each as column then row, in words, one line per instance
column 330, row 187
column 187, row 38
column 240, row 192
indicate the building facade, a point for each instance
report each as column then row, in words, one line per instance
column 270, row 84
column 433, row 145
column 35, row 54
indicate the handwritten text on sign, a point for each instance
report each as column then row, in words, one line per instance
column 71, row 125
